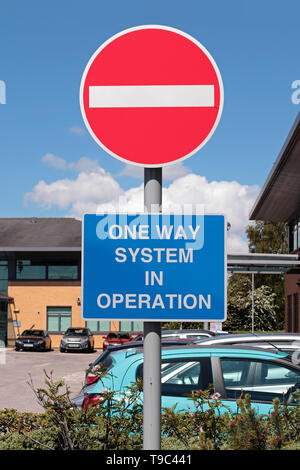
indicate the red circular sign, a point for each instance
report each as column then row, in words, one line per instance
column 151, row 96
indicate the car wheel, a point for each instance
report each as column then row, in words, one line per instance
column 62, row 350
column 17, row 349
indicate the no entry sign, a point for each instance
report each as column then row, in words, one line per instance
column 151, row 96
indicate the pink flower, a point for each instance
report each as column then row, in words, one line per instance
column 215, row 396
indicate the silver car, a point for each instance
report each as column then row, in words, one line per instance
column 77, row 339
column 287, row 342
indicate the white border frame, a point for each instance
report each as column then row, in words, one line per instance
column 155, row 319
column 137, row 28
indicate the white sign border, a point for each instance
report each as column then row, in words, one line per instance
column 137, row 28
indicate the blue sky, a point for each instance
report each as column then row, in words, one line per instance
column 44, row 48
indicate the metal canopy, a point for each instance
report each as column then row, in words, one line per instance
column 280, row 196
column 263, row 263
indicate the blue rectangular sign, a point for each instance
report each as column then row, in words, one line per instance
column 154, row 267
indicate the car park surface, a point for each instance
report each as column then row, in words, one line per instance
column 233, row 371
column 15, row 368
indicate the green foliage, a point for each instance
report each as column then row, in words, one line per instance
column 239, row 305
column 115, row 423
column 270, row 237
column 267, row 237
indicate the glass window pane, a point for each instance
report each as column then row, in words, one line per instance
column 183, row 373
column 125, row 325
column 92, row 325
column 3, row 272
column 65, row 322
column 138, row 326
column 62, row 272
column 53, row 323
column 295, row 237
column 59, row 310
column 3, row 285
column 263, row 380
column 25, row 270
column 104, row 325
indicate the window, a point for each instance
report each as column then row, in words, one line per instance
column 263, row 380
column 62, row 272
column 131, row 326
column 96, row 326
column 29, row 269
column 296, row 313
column 181, row 377
column 59, row 319
column 289, row 314
column 295, row 236
column 3, row 276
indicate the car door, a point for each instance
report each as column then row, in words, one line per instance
column 262, row 379
column 179, row 378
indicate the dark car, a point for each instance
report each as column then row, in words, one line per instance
column 37, row 340
column 115, row 338
column 77, row 339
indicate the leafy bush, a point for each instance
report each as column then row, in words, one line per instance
column 115, row 423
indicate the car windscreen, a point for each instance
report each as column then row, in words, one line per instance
column 32, row 333
column 76, row 332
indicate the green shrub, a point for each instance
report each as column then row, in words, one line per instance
column 115, row 423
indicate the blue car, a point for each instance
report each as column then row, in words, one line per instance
column 232, row 371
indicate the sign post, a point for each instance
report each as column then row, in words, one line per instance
column 152, row 334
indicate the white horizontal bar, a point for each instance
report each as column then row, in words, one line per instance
column 153, row 96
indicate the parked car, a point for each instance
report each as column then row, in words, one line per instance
column 77, row 339
column 103, row 358
column 193, row 335
column 37, row 340
column 233, row 371
column 287, row 342
column 105, row 361
column 116, row 337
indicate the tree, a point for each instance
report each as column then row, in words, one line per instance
column 239, row 305
column 270, row 237
column 267, row 237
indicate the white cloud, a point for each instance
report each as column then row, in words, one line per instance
column 84, row 164
column 95, row 190
column 54, row 161
column 84, row 193
column 77, row 130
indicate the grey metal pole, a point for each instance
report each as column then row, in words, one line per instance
column 152, row 334
column 252, row 303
